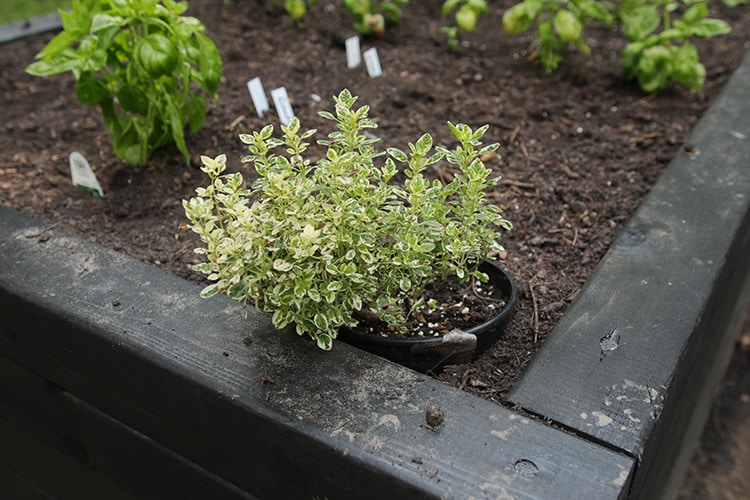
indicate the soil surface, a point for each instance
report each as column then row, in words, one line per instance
column 719, row 470
column 579, row 147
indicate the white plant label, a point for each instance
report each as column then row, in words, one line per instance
column 373, row 63
column 353, row 56
column 282, row 104
column 255, row 87
column 83, row 176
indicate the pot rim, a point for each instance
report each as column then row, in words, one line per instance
column 497, row 274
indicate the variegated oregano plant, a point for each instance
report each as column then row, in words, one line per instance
column 317, row 242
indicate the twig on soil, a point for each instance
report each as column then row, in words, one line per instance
column 184, row 248
column 465, row 378
column 643, row 100
column 570, row 173
column 645, row 137
column 235, row 122
column 431, row 371
column 523, row 185
column 535, row 314
column 525, row 154
column 514, row 134
column 43, row 231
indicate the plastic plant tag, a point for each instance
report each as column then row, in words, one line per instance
column 282, row 104
column 258, row 95
column 353, row 56
column 83, row 176
column 373, row 63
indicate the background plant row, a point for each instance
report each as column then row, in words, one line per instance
column 659, row 33
column 141, row 61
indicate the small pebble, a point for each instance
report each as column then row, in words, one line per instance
column 434, row 416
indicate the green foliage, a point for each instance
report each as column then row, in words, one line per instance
column 136, row 60
column 370, row 15
column 659, row 51
column 297, row 9
column 559, row 23
column 465, row 18
column 17, row 10
column 316, row 242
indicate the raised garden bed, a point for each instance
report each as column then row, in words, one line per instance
column 119, row 377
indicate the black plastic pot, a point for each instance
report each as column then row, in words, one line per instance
column 430, row 353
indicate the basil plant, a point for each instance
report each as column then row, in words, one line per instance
column 137, row 61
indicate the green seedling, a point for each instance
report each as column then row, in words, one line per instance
column 370, row 16
column 659, row 50
column 559, row 23
column 466, row 15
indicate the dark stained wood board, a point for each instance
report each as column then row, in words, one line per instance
column 50, row 437
column 264, row 410
column 670, row 294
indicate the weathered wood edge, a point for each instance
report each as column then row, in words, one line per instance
column 266, row 411
column 27, row 27
column 673, row 289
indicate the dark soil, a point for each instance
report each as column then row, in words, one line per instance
column 579, row 148
column 447, row 305
column 719, row 470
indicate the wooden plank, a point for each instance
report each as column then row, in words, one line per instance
column 14, row 486
column 30, row 469
column 265, row 410
column 101, row 449
column 35, row 25
column 635, row 361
